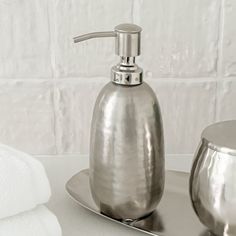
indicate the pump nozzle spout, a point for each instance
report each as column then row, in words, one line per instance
column 94, row 35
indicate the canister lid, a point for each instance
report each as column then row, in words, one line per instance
column 221, row 136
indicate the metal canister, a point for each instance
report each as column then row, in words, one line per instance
column 213, row 178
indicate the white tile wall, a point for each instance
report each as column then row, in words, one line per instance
column 229, row 42
column 73, row 17
column 25, row 39
column 226, row 103
column 27, row 115
column 180, row 39
column 187, row 107
column 48, row 85
column 74, row 101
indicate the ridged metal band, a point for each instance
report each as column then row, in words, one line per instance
column 128, row 77
column 221, row 137
column 218, row 148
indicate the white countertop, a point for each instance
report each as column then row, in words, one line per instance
column 74, row 219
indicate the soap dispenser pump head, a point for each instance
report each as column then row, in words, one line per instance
column 127, row 46
column 128, row 40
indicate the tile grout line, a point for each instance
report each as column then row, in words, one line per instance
column 78, row 78
column 52, row 33
column 220, row 41
column 219, row 71
column 54, row 116
column 106, row 79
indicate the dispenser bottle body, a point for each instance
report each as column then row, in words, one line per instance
column 126, row 151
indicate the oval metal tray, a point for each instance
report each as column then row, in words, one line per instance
column 174, row 215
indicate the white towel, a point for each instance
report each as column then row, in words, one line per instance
column 23, row 182
column 37, row 222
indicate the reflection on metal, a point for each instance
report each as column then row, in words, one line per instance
column 173, row 217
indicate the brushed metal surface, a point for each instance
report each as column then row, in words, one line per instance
column 127, row 151
column 213, row 179
column 174, row 215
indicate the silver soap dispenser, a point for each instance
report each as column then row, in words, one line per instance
column 126, row 143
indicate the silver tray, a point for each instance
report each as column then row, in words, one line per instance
column 174, row 215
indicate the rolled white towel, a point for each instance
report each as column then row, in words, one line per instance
column 23, row 182
column 37, row 222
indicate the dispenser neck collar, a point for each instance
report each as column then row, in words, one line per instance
column 127, row 72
